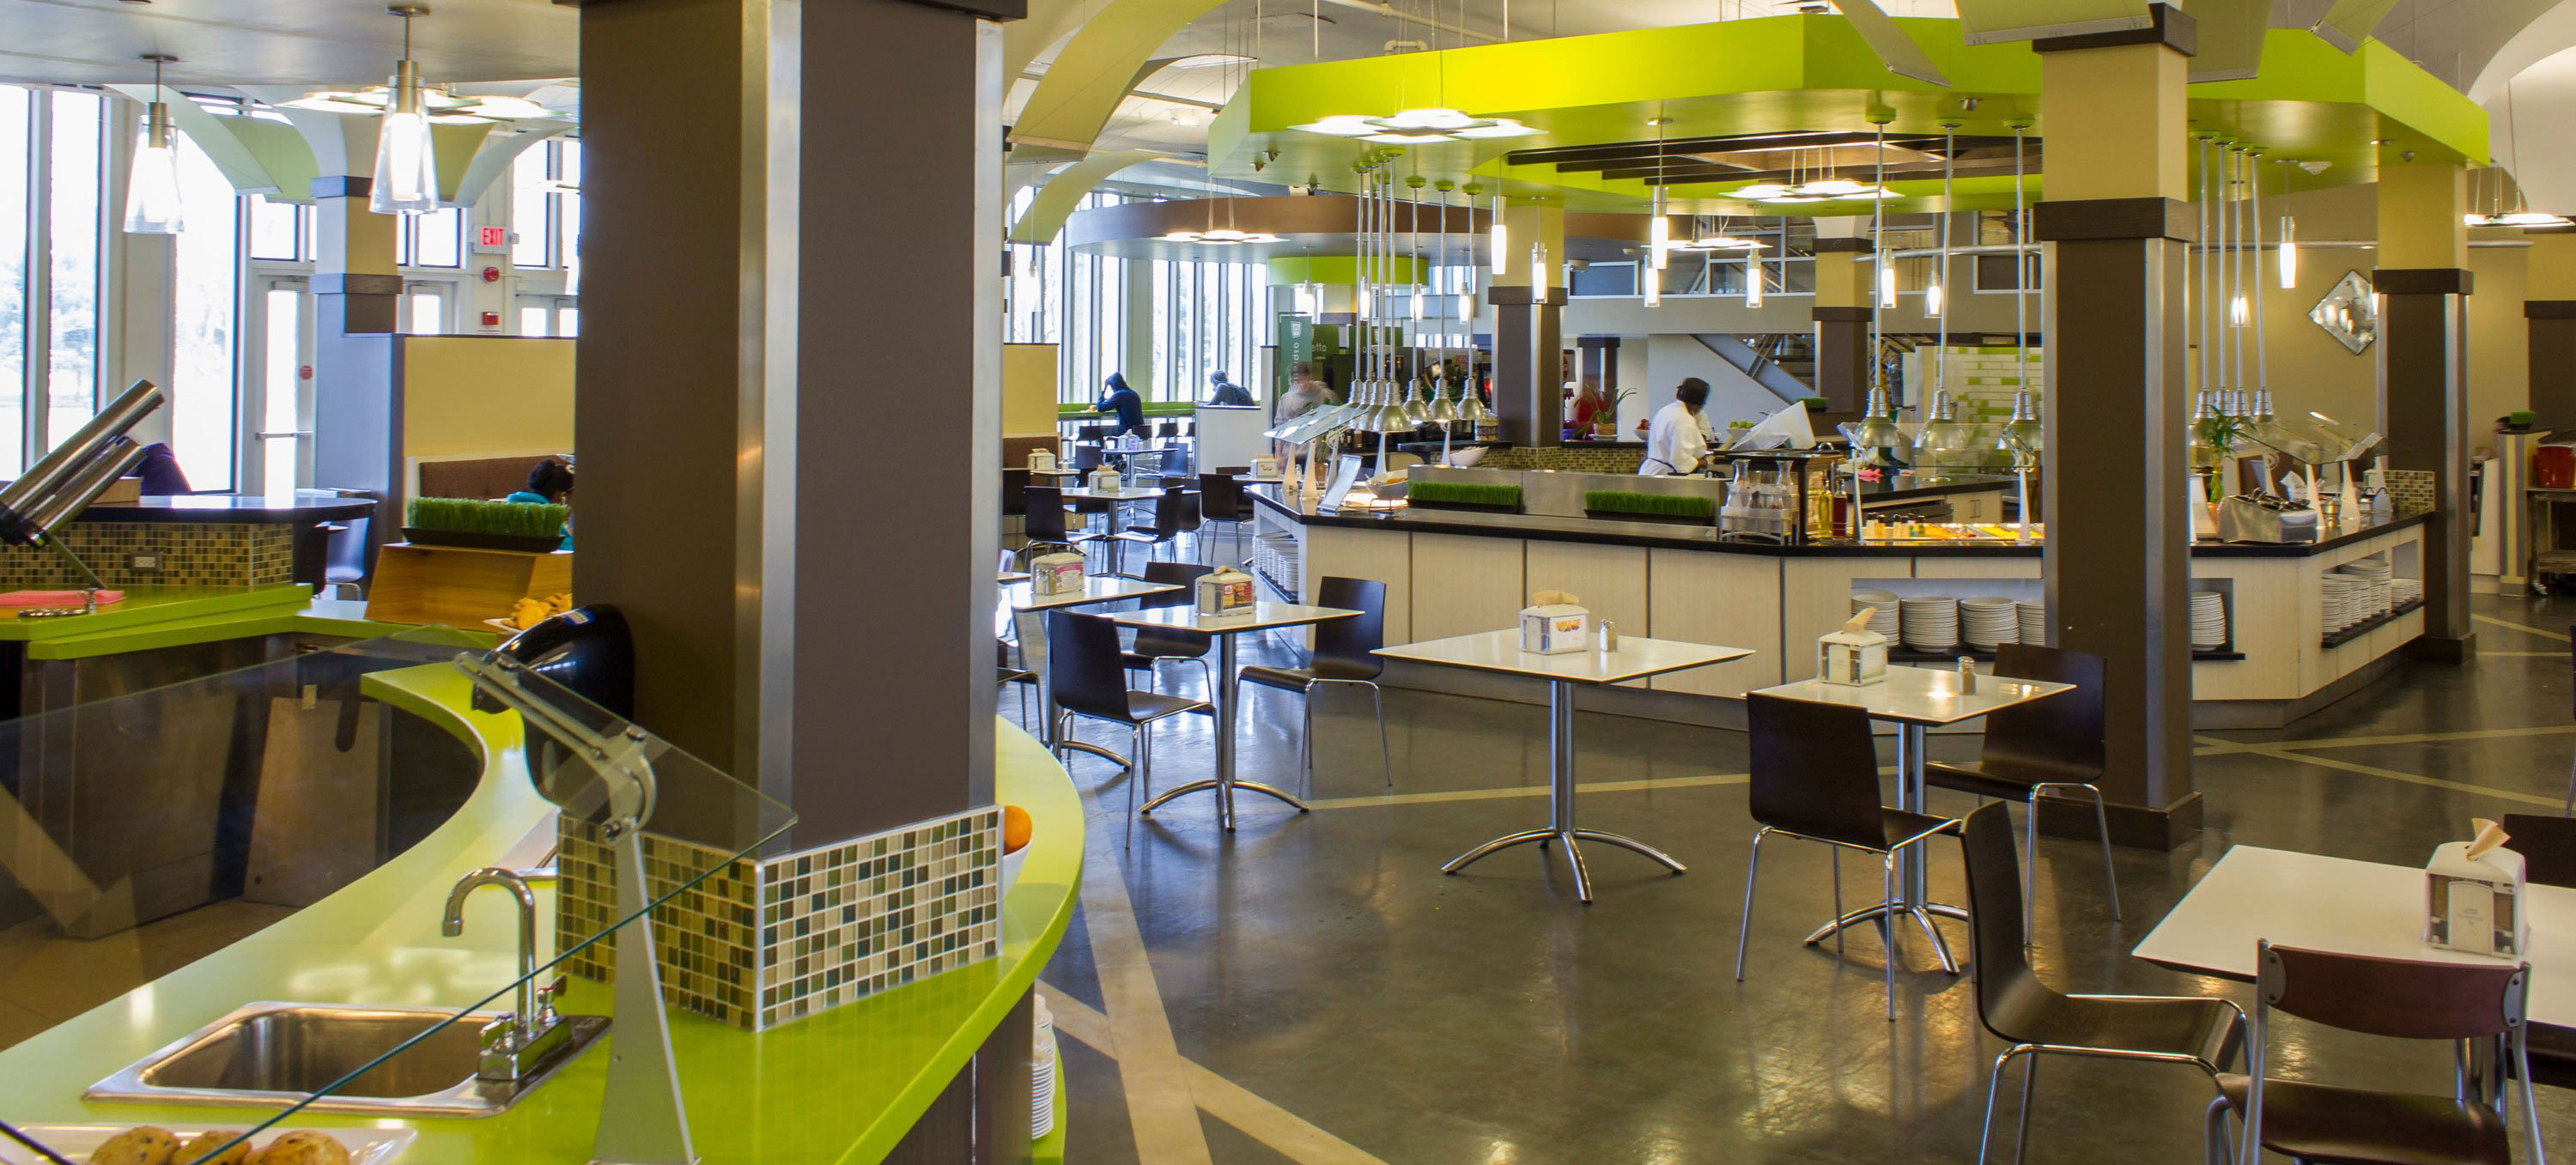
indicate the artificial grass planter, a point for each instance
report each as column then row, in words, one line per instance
column 1614, row 503
column 485, row 525
column 1464, row 495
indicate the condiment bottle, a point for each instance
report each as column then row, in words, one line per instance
column 1967, row 675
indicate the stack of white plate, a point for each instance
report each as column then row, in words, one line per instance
column 1042, row 1075
column 2378, row 598
column 2343, row 595
column 1988, row 621
column 1882, row 604
column 2208, row 620
column 2034, row 621
column 2402, row 591
column 1931, row 622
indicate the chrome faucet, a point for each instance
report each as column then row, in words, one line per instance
column 517, row 1044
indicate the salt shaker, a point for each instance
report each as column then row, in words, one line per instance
column 1967, row 675
column 1609, row 637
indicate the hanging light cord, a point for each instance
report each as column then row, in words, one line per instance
column 2262, row 379
column 2021, row 265
column 1941, row 320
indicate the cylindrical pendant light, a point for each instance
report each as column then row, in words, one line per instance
column 152, row 182
column 1538, row 269
column 1753, row 270
column 1502, row 236
column 2289, row 238
column 406, row 180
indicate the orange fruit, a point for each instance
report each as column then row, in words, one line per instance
column 1016, row 827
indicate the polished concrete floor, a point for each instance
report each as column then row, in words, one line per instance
column 1311, row 988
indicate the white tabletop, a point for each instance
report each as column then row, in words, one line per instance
column 1087, row 494
column 1008, row 577
column 1058, row 472
column 1096, row 588
column 1500, row 651
column 2354, row 907
column 1261, row 617
column 1249, row 479
column 1922, row 695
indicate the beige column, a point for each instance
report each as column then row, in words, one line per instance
column 2549, row 312
column 2423, row 285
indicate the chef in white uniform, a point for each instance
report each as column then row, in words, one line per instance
column 1675, row 440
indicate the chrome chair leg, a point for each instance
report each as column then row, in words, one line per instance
column 1378, row 699
column 2110, row 875
column 1994, row 1087
column 1306, row 744
column 1837, row 855
column 1889, row 872
column 1207, row 679
column 2216, row 1148
column 1136, row 746
column 2570, row 809
column 2030, row 872
column 1744, row 929
column 2021, row 1133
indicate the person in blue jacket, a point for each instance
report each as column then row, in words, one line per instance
column 549, row 484
column 1116, row 397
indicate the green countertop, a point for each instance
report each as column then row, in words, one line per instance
column 289, row 612
column 842, row 1086
column 150, row 606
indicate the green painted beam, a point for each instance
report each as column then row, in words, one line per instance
column 1062, row 194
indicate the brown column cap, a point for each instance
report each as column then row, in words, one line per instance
column 348, row 283
column 2549, row 309
column 1518, row 295
column 1840, row 315
column 2113, row 218
column 2420, row 280
column 343, row 186
column 2171, row 27
column 1842, row 246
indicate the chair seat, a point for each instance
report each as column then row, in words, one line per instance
column 1145, row 707
column 1138, row 534
column 2006, row 782
column 1144, row 657
column 1013, row 675
column 2553, row 1054
column 2326, row 1125
column 2207, row 1030
column 1901, row 824
column 1298, row 679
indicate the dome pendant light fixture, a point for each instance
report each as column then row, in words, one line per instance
column 152, row 182
column 406, row 180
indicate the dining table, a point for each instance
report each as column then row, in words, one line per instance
column 1027, row 607
column 1260, row 616
column 1915, row 700
column 1637, row 657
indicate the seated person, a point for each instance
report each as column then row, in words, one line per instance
column 549, row 484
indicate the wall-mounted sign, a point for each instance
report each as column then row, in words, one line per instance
column 492, row 239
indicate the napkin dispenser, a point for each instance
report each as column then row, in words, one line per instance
column 1225, row 591
column 1853, row 656
column 2258, row 518
column 1554, row 624
column 1041, row 461
column 1055, row 574
column 1265, row 465
column 1105, row 480
column 2473, row 896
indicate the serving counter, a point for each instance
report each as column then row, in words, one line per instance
column 850, row 1083
column 1449, row 572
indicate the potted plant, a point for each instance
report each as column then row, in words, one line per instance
column 2519, row 421
column 481, row 525
column 1606, row 425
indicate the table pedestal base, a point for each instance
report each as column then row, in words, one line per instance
column 1560, row 825
column 1882, row 912
column 1224, row 797
column 1224, row 782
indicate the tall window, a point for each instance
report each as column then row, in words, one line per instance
column 545, row 204
column 17, row 121
column 205, row 314
column 75, row 177
column 1209, row 317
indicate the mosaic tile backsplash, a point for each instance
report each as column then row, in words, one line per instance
column 2410, row 491
column 764, row 942
column 1566, row 459
column 193, row 554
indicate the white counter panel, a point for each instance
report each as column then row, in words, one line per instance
column 1731, row 599
column 1464, row 584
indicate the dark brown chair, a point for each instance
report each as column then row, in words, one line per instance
column 2481, row 1003
column 2041, row 747
column 1153, row 645
column 2035, row 1019
column 1044, row 522
column 1173, row 517
column 1020, row 677
column 1221, row 499
column 1084, row 677
column 1345, row 653
column 2548, row 849
column 1015, row 492
column 1815, row 777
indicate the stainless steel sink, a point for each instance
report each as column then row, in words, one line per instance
column 271, row 1055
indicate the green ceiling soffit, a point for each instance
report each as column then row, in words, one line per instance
column 1057, row 200
column 1086, row 81
column 1810, row 72
column 1048, row 21
column 1338, row 270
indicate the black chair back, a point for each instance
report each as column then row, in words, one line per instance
column 2061, row 734
column 2547, row 846
column 1168, row 429
column 1352, row 643
column 1169, row 507
column 1085, row 458
column 2008, row 991
column 1082, row 665
column 1173, row 641
column 1091, row 433
column 1044, row 521
column 1815, row 770
column 1221, row 497
column 1015, row 492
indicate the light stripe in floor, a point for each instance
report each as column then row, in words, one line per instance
column 2409, row 778
column 1223, row 1099
column 2526, row 629
column 1161, row 1109
column 1643, row 785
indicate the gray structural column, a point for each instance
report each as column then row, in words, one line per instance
column 1528, row 350
column 788, row 390
column 357, row 392
column 2424, row 402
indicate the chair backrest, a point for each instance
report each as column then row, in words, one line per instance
column 1015, row 491
column 345, row 550
column 2400, row 998
column 1815, row 770
column 1091, row 433
column 2007, row 989
column 1170, row 509
column 1220, row 496
column 2062, row 733
column 1082, row 664
column 2547, row 846
column 1045, row 514
column 1168, row 429
column 1085, row 458
column 1231, row 470
column 1352, row 641
column 1185, row 573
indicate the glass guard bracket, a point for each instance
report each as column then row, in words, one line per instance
column 641, row 1120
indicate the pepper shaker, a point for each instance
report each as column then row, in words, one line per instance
column 1609, row 637
column 1967, row 675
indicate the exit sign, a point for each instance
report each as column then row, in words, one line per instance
column 491, row 238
